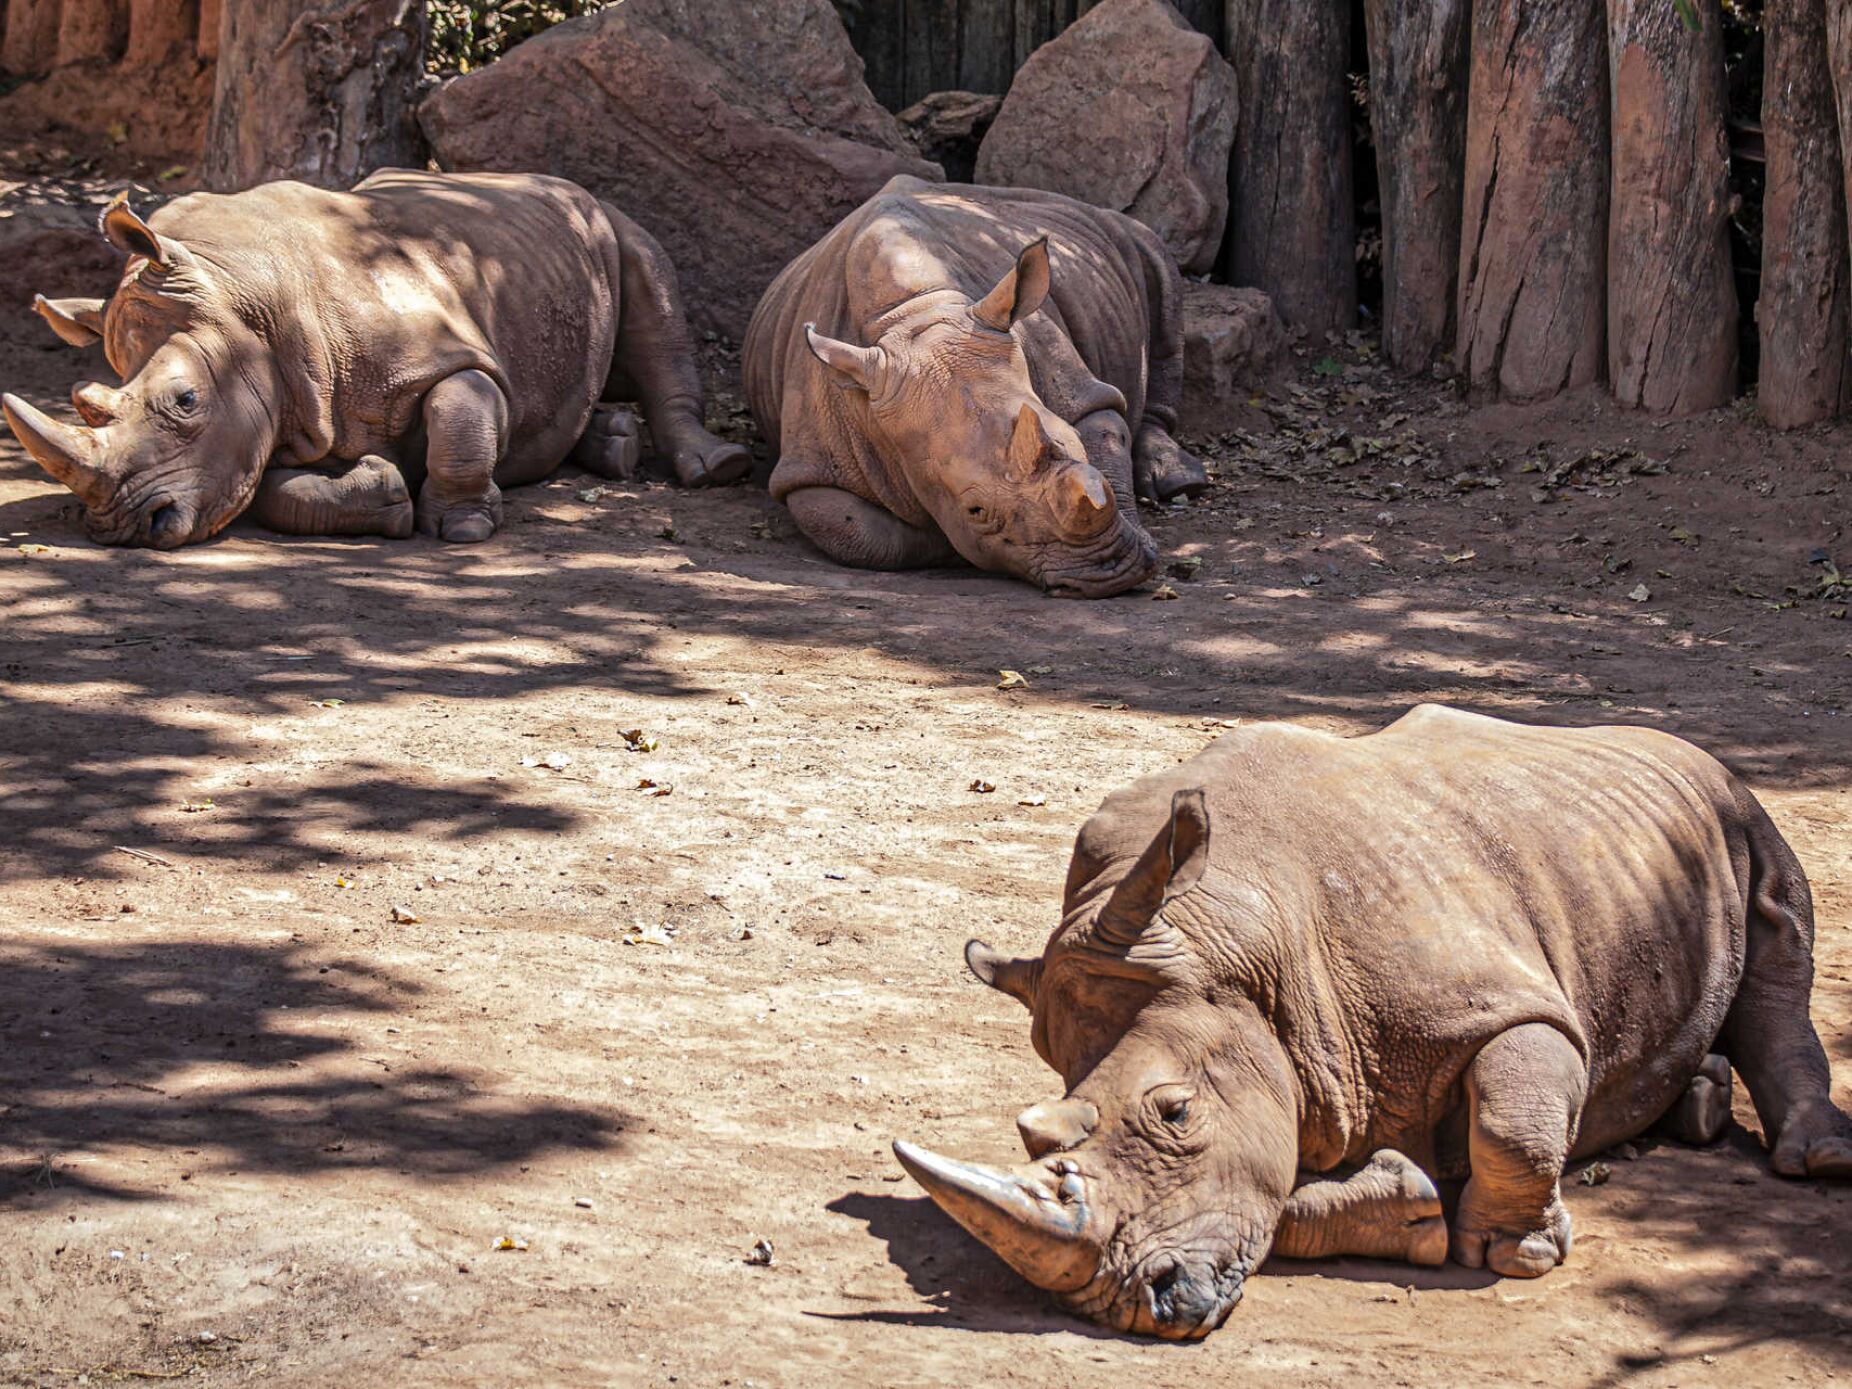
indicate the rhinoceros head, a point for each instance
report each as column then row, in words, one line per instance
column 177, row 451
column 952, row 407
column 1154, row 1186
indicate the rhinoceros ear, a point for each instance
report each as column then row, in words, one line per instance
column 1017, row 978
column 857, row 364
column 1019, row 293
column 78, row 321
column 1173, row 864
column 134, row 237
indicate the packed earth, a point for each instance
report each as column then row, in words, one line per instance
column 432, row 965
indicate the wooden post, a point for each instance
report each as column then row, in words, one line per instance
column 1672, row 310
column 211, row 19
column 1418, row 116
column 1533, row 250
column 1802, row 310
column 92, row 31
column 1292, row 228
column 325, row 93
column 31, row 37
column 157, row 28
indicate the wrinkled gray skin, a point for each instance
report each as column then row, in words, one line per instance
column 978, row 373
column 322, row 358
column 1298, row 976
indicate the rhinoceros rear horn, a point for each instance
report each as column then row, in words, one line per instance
column 1173, row 863
column 1016, row 977
column 67, row 454
column 1019, row 293
column 1044, row 1240
column 78, row 321
column 856, row 363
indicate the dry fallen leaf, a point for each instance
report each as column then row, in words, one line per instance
column 506, row 1242
column 1686, row 538
column 1595, row 1174
column 639, row 741
column 1033, row 801
column 405, row 916
column 1010, row 680
column 761, row 1255
column 641, row 934
column 655, row 788
column 1462, row 557
column 195, row 807
column 982, row 787
column 1640, row 593
column 30, row 550
column 1163, row 593
column 326, row 703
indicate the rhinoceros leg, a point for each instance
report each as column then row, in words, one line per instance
column 862, row 535
column 654, row 362
column 466, row 425
column 1389, row 1210
column 1524, row 1095
column 612, row 445
column 1703, row 1111
column 1768, row 1035
column 1163, row 470
column 368, row 498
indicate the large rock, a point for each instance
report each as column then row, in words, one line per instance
column 1129, row 109
column 949, row 127
column 49, row 245
column 1234, row 347
column 737, row 133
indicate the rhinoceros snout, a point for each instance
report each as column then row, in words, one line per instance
column 168, row 527
column 1186, row 1303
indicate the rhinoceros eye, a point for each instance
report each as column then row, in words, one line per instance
column 1176, row 1113
column 187, row 399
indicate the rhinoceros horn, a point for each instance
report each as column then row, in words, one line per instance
column 1171, row 865
column 1041, row 1237
column 68, row 454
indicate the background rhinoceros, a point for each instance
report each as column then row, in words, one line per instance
column 1456, row 947
column 986, row 373
column 321, row 357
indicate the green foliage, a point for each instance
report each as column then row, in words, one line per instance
column 468, row 34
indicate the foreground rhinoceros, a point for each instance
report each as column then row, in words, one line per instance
column 989, row 373
column 1456, row 947
column 319, row 356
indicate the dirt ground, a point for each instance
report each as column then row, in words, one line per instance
column 675, row 994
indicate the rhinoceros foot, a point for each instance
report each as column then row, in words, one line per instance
column 612, row 444
column 1163, row 470
column 1478, row 1241
column 460, row 522
column 1816, row 1141
column 711, row 462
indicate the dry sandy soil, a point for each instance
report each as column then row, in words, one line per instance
column 253, row 1129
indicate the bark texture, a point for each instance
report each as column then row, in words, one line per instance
column 324, row 93
column 92, row 31
column 1672, row 308
column 31, row 37
column 157, row 28
column 1801, row 313
column 1292, row 225
column 1533, row 250
column 1418, row 64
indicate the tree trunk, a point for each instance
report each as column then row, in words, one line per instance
column 31, row 37
column 92, row 31
column 157, row 28
column 324, row 93
column 1292, row 227
column 1803, row 305
column 1672, row 311
column 1418, row 116
column 1533, row 250
column 211, row 19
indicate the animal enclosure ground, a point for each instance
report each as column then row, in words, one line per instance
column 672, row 994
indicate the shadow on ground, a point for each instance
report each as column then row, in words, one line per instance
column 255, row 1058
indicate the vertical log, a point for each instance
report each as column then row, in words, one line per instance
column 157, row 28
column 931, row 47
column 324, row 93
column 1672, row 310
column 1292, row 225
column 986, row 29
column 1533, row 248
column 1418, row 116
column 211, row 19
column 92, row 31
column 31, row 37
column 1802, row 311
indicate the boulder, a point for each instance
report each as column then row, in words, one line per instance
column 50, row 246
column 737, row 134
column 948, row 127
column 1129, row 109
column 1234, row 347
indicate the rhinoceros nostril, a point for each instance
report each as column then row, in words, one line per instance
column 165, row 522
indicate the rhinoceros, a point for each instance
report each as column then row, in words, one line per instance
column 985, row 373
column 317, row 356
column 1300, row 977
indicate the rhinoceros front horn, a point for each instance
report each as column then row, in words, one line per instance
column 1042, row 1238
column 67, row 454
column 1086, row 501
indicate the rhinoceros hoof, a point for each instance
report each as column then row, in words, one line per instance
column 712, row 466
column 1163, row 471
column 460, row 523
column 1512, row 1253
column 612, row 444
column 1815, row 1142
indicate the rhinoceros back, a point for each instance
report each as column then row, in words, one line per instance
column 1413, row 893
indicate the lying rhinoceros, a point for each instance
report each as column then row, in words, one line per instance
column 315, row 356
column 980, row 372
column 1456, row 947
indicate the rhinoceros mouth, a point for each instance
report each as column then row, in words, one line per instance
column 1121, row 560
column 1174, row 1297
